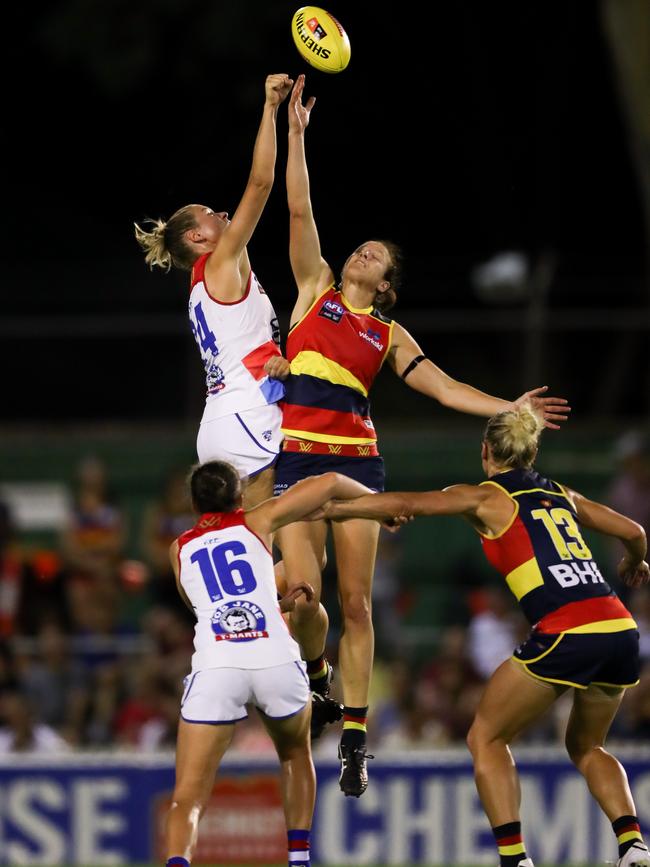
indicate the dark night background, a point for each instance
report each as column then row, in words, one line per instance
column 459, row 130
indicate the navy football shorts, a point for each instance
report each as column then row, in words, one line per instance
column 580, row 659
column 291, row 467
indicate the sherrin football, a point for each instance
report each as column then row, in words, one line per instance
column 320, row 39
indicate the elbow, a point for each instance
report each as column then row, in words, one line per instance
column 637, row 534
column 298, row 211
column 262, row 182
column 447, row 394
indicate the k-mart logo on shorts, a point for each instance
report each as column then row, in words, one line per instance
column 332, row 311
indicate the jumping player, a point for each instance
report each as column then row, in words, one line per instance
column 583, row 637
column 243, row 652
column 338, row 341
column 231, row 317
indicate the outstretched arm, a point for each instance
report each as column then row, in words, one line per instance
column 429, row 379
column 312, row 273
column 456, row 500
column 260, row 181
column 633, row 569
column 301, row 500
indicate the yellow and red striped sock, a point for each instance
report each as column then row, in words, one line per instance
column 317, row 670
column 510, row 844
column 355, row 721
column 627, row 832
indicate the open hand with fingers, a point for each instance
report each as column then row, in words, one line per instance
column 550, row 409
column 299, row 113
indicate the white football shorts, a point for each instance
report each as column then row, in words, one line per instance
column 220, row 695
column 250, row 439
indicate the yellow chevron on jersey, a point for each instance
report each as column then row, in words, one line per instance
column 314, row 364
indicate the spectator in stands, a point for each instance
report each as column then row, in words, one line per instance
column 30, row 593
column 21, row 733
column 629, row 491
column 164, row 520
column 93, row 543
column 495, row 627
column 56, row 683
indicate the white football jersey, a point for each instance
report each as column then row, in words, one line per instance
column 235, row 340
column 227, row 574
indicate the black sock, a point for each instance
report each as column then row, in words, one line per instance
column 354, row 726
column 317, row 669
column 510, row 844
column 627, row 832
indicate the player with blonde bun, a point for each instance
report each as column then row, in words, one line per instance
column 583, row 638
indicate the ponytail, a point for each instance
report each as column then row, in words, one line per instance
column 165, row 245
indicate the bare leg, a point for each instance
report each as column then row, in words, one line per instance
column 258, row 488
column 291, row 739
column 199, row 749
column 591, row 716
column 511, row 701
column 302, row 546
column 355, row 542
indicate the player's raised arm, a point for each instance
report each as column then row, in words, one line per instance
column 260, row 181
column 312, row 273
column 409, row 362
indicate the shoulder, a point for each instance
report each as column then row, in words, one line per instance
column 383, row 317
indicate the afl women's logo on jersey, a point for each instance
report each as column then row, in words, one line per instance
column 239, row 621
column 332, row 311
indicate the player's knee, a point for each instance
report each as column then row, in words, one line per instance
column 355, row 608
column 579, row 747
column 290, row 749
column 481, row 737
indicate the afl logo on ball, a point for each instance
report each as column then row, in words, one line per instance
column 239, row 621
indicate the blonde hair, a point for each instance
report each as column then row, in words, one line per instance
column 165, row 244
column 513, row 435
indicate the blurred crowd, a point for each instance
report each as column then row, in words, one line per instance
column 94, row 644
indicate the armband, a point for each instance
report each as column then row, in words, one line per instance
column 411, row 367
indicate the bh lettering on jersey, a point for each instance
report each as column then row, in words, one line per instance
column 45, row 821
column 569, row 575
